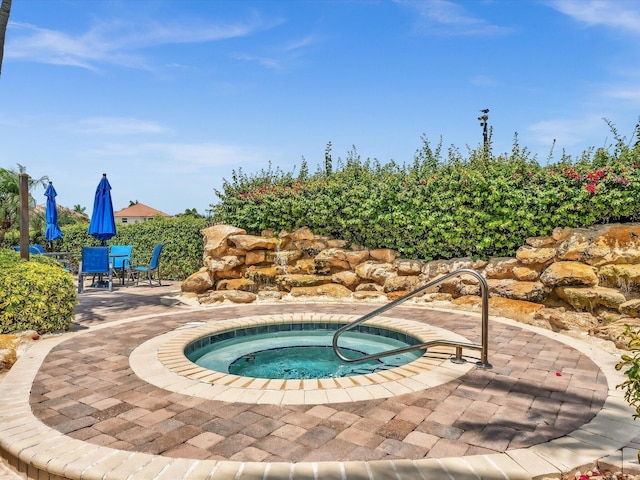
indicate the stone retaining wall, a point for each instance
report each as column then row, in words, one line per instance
column 584, row 277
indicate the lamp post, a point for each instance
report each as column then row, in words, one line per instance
column 484, row 124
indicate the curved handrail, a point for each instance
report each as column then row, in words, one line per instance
column 483, row 347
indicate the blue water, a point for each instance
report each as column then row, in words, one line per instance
column 299, row 355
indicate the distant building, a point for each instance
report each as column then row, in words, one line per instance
column 138, row 212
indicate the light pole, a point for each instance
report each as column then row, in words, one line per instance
column 484, row 124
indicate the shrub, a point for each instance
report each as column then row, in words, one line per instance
column 36, row 295
column 631, row 386
column 478, row 205
column 183, row 243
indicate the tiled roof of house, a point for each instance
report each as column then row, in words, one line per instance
column 139, row 210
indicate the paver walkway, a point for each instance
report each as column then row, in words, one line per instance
column 538, row 390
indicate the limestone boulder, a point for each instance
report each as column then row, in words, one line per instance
column 304, row 266
column 516, row 290
column 198, row 282
column 255, row 257
column 310, row 248
column 355, row 257
column 591, row 298
column 561, row 233
column 406, row 283
column 501, row 267
column 370, row 295
column 467, row 302
column 347, row 278
column 237, row 296
column 263, row 276
column 13, row 345
column 330, row 290
column 332, row 258
column 466, row 262
column 384, row 255
column 396, row 294
column 215, row 238
column 569, row 274
column 457, row 286
column 520, row 310
column 433, row 297
column 334, row 243
column 224, row 263
column 8, row 355
column 436, row 268
column 269, row 295
column 613, row 331
column 537, row 256
column 369, row 287
column 234, row 296
column 602, row 244
column 408, row 267
column 630, row 308
column 237, row 272
column 626, row 277
column 283, row 258
column 211, row 298
column 302, row 233
column 561, row 319
column 526, row 274
column 242, row 284
column 288, row 282
column 377, row 272
column 253, row 242
column 540, row 242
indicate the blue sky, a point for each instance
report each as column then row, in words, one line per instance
column 168, row 97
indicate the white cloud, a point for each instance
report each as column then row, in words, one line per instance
column 567, row 132
column 114, row 42
column 619, row 14
column 186, row 156
column 627, row 93
column 116, row 126
column 445, row 16
column 267, row 62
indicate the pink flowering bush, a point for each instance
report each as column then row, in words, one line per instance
column 441, row 205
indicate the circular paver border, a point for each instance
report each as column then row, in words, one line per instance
column 161, row 362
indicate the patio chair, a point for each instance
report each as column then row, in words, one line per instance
column 95, row 261
column 120, row 259
column 148, row 270
column 33, row 249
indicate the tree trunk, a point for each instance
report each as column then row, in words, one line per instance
column 5, row 8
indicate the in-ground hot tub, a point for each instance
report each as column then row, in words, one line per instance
column 300, row 350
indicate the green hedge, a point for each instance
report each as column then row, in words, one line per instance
column 36, row 295
column 479, row 205
column 183, row 243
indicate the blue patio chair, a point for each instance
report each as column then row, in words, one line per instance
column 120, row 259
column 148, row 270
column 95, row 261
column 33, row 249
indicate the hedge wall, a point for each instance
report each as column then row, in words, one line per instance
column 183, row 243
column 480, row 205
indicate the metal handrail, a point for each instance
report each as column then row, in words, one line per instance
column 483, row 347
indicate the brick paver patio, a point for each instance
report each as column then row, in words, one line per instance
column 538, row 390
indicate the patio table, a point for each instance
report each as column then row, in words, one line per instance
column 119, row 255
column 62, row 257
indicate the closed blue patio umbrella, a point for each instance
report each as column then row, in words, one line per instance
column 51, row 215
column 103, row 224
